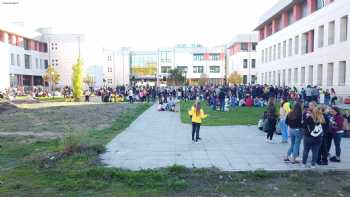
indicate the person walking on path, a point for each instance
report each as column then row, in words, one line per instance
column 313, row 125
column 197, row 115
column 294, row 122
column 271, row 119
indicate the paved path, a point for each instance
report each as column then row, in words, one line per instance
column 159, row 139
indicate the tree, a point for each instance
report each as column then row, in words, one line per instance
column 203, row 79
column 89, row 80
column 235, row 78
column 176, row 77
column 52, row 77
column 77, row 79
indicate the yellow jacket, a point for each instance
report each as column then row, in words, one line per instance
column 195, row 118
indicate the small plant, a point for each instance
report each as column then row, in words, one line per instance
column 177, row 169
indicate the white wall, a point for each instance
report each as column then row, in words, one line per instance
column 327, row 54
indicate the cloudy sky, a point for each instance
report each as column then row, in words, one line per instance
column 141, row 24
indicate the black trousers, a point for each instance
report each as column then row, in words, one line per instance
column 270, row 133
column 325, row 147
column 195, row 130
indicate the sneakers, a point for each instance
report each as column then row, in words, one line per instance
column 313, row 166
column 304, row 166
column 334, row 159
column 286, row 159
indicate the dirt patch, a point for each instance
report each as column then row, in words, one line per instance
column 50, row 122
column 6, row 106
column 38, row 135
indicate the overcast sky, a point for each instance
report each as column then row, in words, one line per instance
column 141, row 24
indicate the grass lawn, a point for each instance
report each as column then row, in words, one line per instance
column 70, row 166
column 239, row 116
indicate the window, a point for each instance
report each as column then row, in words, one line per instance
column 262, row 56
column 279, row 51
column 331, row 29
column 254, row 46
column 245, row 79
column 214, row 57
column 198, row 69
column 304, row 9
column 46, row 63
column 244, row 46
column 343, row 28
column 274, row 52
column 284, row 49
column 109, row 69
column 182, row 68
column 36, row 63
column 320, row 4
column 18, row 60
column 319, row 74
column 320, row 36
column 311, row 75
column 304, row 46
column 290, row 17
column 109, row 81
column 198, row 57
column 165, row 69
column 12, row 59
column 289, row 76
column 296, row 45
column 245, row 63
column 253, row 63
column 26, row 44
column 109, row 58
column 296, row 76
column 214, row 69
column 302, row 73
column 270, row 54
column 330, row 70
column 342, row 73
column 27, row 60
column 165, row 56
column 290, row 47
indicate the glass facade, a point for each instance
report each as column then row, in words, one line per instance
column 144, row 65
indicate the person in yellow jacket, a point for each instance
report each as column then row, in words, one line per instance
column 197, row 114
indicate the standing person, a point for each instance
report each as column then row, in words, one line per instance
column 271, row 119
column 284, row 110
column 313, row 125
column 326, row 140
column 131, row 95
column 333, row 96
column 294, row 122
column 327, row 97
column 197, row 114
column 337, row 131
column 222, row 100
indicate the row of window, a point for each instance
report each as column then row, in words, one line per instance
column 293, row 14
column 245, row 63
column 202, row 57
column 16, row 60
column 316, row 76
column 19, row 41
column 307, row 40
column 196, row 69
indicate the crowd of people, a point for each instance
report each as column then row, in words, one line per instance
column 316, row 125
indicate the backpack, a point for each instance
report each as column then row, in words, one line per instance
column 317, row 130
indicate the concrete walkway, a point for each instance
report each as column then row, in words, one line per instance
column 159, row 139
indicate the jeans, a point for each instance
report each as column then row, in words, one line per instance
column 284, row 129
column 222, row 105
column 195, row 130
column 313, row 144
column 295, row 139
column 337, row 140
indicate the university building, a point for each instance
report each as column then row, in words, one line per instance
column 241, row 57
column 305, row 42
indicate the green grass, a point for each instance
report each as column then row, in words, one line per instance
column 52, row 99
column 71, row 167
column 238, row 116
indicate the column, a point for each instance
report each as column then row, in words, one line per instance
column 347, row 78
column 274, row 26
column 265, row 31
column 284, row 19
column 296, row 12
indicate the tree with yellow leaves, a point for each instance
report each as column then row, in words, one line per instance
column 52, row 77
column 77, row 79
column 235, row 78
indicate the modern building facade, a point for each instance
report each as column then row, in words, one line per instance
column 241, row 57
column 306, row 42
column 23, row 57
column 129, row 66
